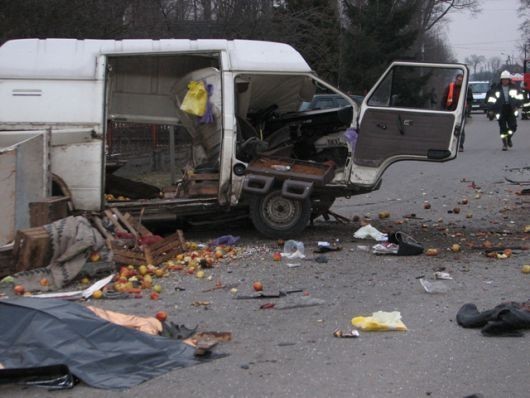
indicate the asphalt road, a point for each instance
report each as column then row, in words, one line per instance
column 292, row 352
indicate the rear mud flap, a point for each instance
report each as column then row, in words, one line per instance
column 257, row 184
column 296, row 190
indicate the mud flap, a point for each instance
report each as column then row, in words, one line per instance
column 296, row 190
column 257, row 184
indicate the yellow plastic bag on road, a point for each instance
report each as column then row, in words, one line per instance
column 195, row 100
column 380, row 321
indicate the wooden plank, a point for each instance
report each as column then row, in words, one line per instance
column 129, row 253
column 127, row 260
column 148, row 256
column 114, row 221
column 177, row 236
column 125, row 222
column 143, row 231
column 106, row 234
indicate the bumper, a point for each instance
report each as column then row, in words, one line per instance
column 478, row 106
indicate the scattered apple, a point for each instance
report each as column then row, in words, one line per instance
column 44, row 282
column 200, row 274
column 159, row 272
column 456, row 210
column 431, row 252
column 161, row 316
column 384, row 214
column 147, row 284
column 455, row 248
column 97, row 294
column 154, row 296
column 427, row 205
column 258, row 286
column 85, row 281
column 277, row 256
column 525, row 269
column 157, row 288
column 19, row 289
column 219, row 254
column 142, row 269
column 507, row 252
column 95, row 257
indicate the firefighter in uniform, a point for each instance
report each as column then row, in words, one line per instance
column 504, row 100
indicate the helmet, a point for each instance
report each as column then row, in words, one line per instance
column 506, row 75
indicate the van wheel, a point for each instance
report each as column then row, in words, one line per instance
column 278, row 217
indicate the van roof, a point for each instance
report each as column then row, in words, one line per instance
column 71, row 58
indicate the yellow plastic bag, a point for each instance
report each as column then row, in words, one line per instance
column 195, row 100
column 380, row 321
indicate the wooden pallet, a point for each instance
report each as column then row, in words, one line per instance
column 131, row 251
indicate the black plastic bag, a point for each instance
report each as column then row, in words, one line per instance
column 408, row 246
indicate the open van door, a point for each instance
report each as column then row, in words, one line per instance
column 403, row 117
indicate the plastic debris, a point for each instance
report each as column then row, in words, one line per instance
column 442, row 275
column 293, row 249
column 341, row 334
column 433, row 287
column 293, row 265
column 369, row 231
column 385, row 248
column 224, row 240
column 321, row 259
column 299, row 302
column 380, row 321
column 324, row 247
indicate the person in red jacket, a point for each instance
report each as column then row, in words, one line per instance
column 450, row 101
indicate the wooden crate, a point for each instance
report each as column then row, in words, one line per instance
column 7, row 263
column 155, row 253
column 130, row 250
column 48, row 210
column 32, row 249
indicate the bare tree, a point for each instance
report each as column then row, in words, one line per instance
column 494, row 64
column 474, row 61
column 434, row 11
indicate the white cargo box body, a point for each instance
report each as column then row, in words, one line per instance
column 60, row 84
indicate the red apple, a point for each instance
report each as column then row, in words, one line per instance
column 161, row 316
column 258, row 286
column 19, row 289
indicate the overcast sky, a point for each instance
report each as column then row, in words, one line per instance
column 490, row 33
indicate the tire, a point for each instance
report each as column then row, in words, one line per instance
column 277, row 217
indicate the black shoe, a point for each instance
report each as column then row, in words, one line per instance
column 461, row 149
column 510, row 142
column 504, row 144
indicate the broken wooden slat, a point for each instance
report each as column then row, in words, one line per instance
column 143, row 231
column 126, row 223
column 113, row 219
column 106, row 234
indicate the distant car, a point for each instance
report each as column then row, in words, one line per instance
column 479, row 90
column 329, row 101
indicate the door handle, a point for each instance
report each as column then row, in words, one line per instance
column 407, row 122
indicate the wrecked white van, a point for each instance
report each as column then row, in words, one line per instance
column 118, row 136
